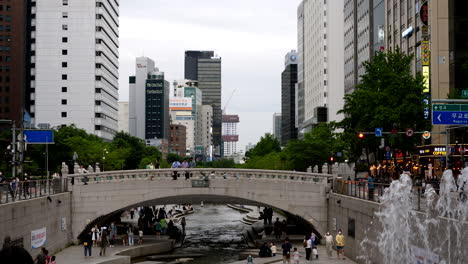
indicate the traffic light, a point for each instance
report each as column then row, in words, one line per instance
column 361, row 135
column 332, row 159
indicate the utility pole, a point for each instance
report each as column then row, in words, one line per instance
column 13, row 149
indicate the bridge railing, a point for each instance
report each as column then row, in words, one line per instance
column 31, row 189
column 198, row 174
column 374, row 191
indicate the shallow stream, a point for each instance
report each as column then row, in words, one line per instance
column 216, row 232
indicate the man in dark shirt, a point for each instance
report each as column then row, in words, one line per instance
column 88, row 244
column 286, row 251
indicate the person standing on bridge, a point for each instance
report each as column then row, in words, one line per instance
column 175, row 165
column 157, row 165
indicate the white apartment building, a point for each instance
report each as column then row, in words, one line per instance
column 320, row 65
column 123, row 116
column 74, row 75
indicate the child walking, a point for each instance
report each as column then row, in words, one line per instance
column 295, row 256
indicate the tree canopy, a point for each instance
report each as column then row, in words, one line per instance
column 388, row 96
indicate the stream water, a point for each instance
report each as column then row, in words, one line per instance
column 216, row 232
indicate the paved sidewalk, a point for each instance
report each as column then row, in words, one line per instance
column 75, row 254
column 323, row 258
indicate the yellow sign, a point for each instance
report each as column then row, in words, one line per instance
column 426, row 75
column 425, row 53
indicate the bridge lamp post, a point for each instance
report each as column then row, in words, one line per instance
column 104, row 152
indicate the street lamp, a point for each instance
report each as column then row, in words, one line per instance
column 104, row 152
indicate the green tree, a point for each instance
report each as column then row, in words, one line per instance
column 387, row 96
column 133, row 146
column 267, row 144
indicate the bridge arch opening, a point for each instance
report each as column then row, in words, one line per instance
column 105, row 219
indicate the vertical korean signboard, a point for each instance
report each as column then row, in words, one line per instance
column 426, row 61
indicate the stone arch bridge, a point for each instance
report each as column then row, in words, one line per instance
column 298, row 193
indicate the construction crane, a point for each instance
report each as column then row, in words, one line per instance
column 229, row 100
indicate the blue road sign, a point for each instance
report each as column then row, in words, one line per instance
column 39, row 136
column 378, row 131
column 449, row 118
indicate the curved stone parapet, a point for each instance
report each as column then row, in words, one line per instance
column 198, row 173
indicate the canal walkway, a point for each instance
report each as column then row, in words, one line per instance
column 323, row 258
column 75, row 254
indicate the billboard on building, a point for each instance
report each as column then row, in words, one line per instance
column 230, row 119
column 231, row 138
column 181, row 103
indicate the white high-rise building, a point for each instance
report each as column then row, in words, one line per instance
column 123, row 116
column 320, row 66
column 149, row 101
column 74, row 75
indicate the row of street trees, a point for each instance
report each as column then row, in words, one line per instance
column 124, row 152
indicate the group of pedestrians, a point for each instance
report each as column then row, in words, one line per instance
column 107, row 237
column 44, row 258
column 184, row 165
column 14, row 187
column 280, row 228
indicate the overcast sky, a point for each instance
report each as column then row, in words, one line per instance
column 251, row 36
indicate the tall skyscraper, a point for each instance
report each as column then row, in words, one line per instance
column 230, row 135
column 14, row 61
column 277, row 125
column 205, row 68
column 74, row 75
column 320, row 66
column 149, row 102
column 288, row 102
column 364, row 26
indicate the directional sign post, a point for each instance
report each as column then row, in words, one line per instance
column 449, row 114
column 378, row 131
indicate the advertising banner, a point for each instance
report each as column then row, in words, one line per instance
column 425, row 53
column 230, row 119
column 181, row 103
column 38, row 238
column 426, row 75
column 231, row 138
